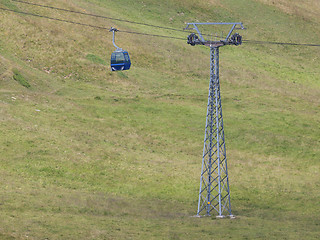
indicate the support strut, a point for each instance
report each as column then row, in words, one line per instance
column 214, row 193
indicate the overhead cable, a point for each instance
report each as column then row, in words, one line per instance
column 88, row 25
column 105, row 17
column 139, row 33
column 281, row 43
column 99, row 16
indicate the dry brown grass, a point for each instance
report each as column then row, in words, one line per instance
column 308, row 9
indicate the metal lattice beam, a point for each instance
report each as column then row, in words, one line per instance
column 214, row 193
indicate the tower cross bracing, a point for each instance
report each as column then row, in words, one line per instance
column 214, row 193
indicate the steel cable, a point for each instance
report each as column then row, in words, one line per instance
column 139, row 33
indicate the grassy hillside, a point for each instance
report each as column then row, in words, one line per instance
column 87, row 153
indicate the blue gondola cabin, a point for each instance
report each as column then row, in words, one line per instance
column 120, row 60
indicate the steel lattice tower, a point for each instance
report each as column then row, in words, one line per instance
column 214, row 183
column 214, row 194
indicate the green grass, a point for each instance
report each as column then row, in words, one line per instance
column 9, row 4
column 95, row 59
column 87, row 153
column 20, row 78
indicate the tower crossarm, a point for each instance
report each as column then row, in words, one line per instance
column 229, row 39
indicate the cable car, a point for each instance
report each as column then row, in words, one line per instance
column 120, row 59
